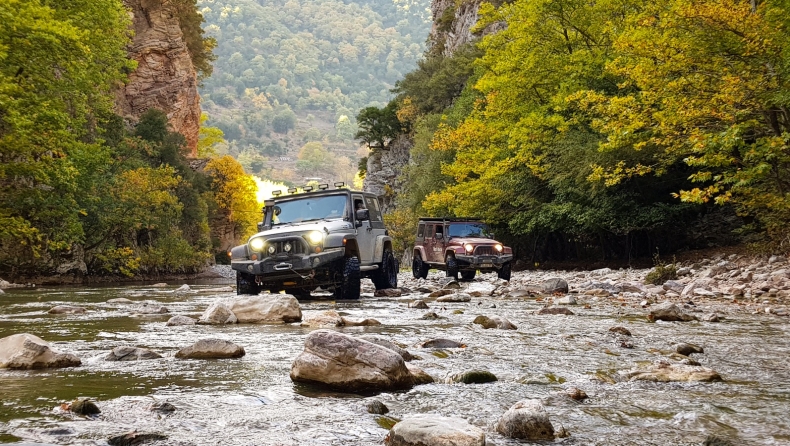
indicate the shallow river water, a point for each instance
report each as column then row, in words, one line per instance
column 252, row 401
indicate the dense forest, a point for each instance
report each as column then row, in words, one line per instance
column 605, row 130
column 80, row 191
column 290, row 76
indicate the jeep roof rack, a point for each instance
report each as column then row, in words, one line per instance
column 450, row 219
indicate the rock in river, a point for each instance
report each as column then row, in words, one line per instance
column 346, row 363
column 555, row 310
column 26, row 351
column 668, row 311
column 266, row 308
column 471, row 377
column 66, row 309
column 526, row 419
column 134, row 438
column 180, row 320
column 457, row 297
column 434, row 430
column 552, row 286
column 390, row 345
column 217, row 313
column 687, row 349
column 494, row 322
column 126, row 353
column 442, row 343
column 211, row 349
column 665, row 372
column 84, row 406
column 149, row 308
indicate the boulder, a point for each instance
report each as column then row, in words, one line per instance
column 377, row 407
column 621, row 330
column 266, row 308
column 388, row 292
column 84, row 406
column 672, row 285
column 368, row 322
column 494, row 322
column 126, row 353
column 713, row 317
column 442, row 343
column 576, row 394
column 325, row 319
column 66, row 309
column 449, row 283
column 419, row 304
column 566, row 300
column 555, row 310
column 419, row 375
column 149, row 308
column 455, row 297
column 434, row 430
column 665, row 372
column 480, row 289
column 668, row 311
column 526, row 419
column 687, row 349
column 556, row 285
column 180, row 320
column 26, row 351
column 217, row 313
column 471, row 377
column 211, row 349
column 390, row 345
column 346, row 363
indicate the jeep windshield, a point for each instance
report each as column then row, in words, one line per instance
column 310, row 209
column 468, row 230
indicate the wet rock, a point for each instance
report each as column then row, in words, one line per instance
column 134, row 438
column 480, row 289
column 555, row 310
column 84, row 406
column 665, row 372
column 434, row 430
column 377, row 407
column 419, row 375
column 498, row 322
column 120, row 300
column 149, row 308
column 266, row 308
column 162, row 406
column 217, row 313
column 471, row 377
column 26, row 351
column 668, row 311
column 440, row 293
column 369, row 322
column 673, row 285
column 431, row 316
column 346, row 363
column 565, row 300
column 716, row 441
column 598, row 292
column 556, row 285
column 713, row 317
column 389, row 292
column 576, row 394
column 425, row 289
column 687, row 349
column 632, row 287
column 182, row 289
column 442, row 343
column 390, row 345
column 419, row 304
column 621, row 330
column 66, row 309
column 459, row 297
column 526, row 419
column 211, row 349
column 126, row 353
column 180, row 320
column 448, row 283
column 325, row 319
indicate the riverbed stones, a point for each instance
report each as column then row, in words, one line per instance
column 67, row 309
column 665, row 372
column 377, row 407
column 135, row 438
column 266, row 308
column 555, row 310
column 149, row 308
column 455, row 297
column 576, row 394
column 527, row 419
column 27, row 351
column 346, row 363
column 388, row 292
column 480, row 289
column 471, row 377
column 179, row 320
column 442, row 343
column 211, row 349
column 420, row 376
column 449, row 283
column 128, row 353
column 390, row 345
column 687, row 349
column 367, row 322
column 325, row 319
column 434, row 430
column 494, row 321
column 668, row 311
column 84, row 406
column 419, row 304
column 217, row 313
column 620, row 330
column 555, row 285
column 566, row 300
column 440, row 293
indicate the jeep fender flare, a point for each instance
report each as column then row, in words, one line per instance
column 352, row 248
column 419, row 251
column 454, row 251
column 382, row 242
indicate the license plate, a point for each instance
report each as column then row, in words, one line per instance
column 486, row 265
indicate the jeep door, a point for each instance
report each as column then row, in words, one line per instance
column 434, row 247
column 365, row 239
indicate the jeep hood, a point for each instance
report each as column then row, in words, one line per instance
column 473, row 240
column 291, row 228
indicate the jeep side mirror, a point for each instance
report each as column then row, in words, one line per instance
column 260, row 226
column 362, row 215
column 439, row 236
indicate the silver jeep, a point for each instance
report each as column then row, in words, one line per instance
column 326, row 238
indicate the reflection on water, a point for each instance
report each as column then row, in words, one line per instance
column 252, row 400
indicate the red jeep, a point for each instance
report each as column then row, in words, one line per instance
column 456, row 245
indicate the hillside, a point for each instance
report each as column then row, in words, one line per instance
column 292, row 72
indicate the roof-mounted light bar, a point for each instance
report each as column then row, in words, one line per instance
column 291, row 190
column 323, row 186
column 277, row 193
column 339, row 184
column 307, row 188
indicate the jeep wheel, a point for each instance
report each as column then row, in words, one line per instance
column 452, row 267
column 468, row 275
column 299, row 293
column 348, row 286
column 504, row 272
column 419, row 269
column 386, row 276
column 245, row 284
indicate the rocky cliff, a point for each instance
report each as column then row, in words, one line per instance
column 165, row 78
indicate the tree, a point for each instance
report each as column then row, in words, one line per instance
column 284, row 120
column 378, row 126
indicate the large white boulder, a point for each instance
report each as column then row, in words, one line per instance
column 526, row 419
column 266, row 308
column 435, row 430
column 26, row 351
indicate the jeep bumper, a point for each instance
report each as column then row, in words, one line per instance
column 483, row 262
column 281, row 267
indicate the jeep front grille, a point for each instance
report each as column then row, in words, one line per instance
column 485, row 251
column 298, row 247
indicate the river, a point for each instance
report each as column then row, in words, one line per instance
column 253, row 401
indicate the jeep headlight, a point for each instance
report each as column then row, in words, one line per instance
column 315, row 237
column 469, row 248
column 257, row 244
column 498, row 247
column 271, row 249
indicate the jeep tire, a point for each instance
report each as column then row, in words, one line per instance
column 348, row 275
column 386, row 276
column 419, row 269
column 504, row 272
column 468, row 275
column 298, row 293
column 245, row 284
column 452, row 266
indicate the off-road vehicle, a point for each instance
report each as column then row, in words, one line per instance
column 459, row 245
column 329, row 238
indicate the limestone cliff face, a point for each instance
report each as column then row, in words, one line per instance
column 451, row 35
column 384, row 171
column 165, row 78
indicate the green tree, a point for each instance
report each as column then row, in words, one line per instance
column 378, row 126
